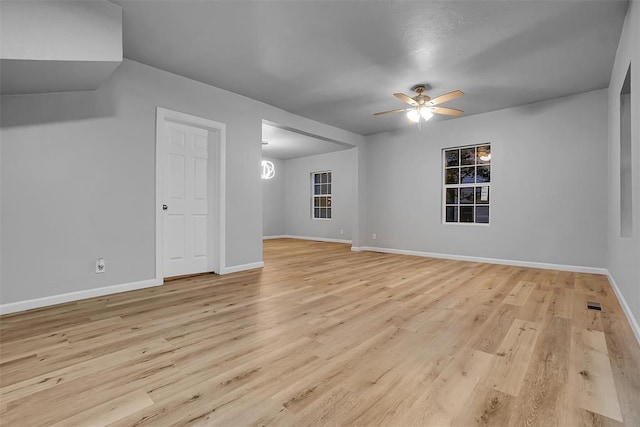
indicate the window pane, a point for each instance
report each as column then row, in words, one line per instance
column 452, row 157
column 468, row 169
column 325, row 178
column 468, row 156
column 466, row 213
column 452, row 196
column 328, row 212
column 322, row 201
column 482, row 195
column 323, row 213
column 329, row 189
column 325, row 188
column 467, row 175
column 484, row 174
column 484, row 154
column 316, row 178
column 482, row 214
column 329, row 176
column 316, row 213
column 451, row 214
column 316, row 202
column 329, row 201
column 466, row 195
column 452, row 176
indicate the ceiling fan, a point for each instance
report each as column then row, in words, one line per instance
column 422, row 106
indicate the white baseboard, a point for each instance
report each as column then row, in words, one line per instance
column 317, row 239
column 516, row 263
column 13, row 307
column 242, row 267
column 625, row 307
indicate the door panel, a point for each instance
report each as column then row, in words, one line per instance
column 176, row 235
column 201, row 146
column 176, row 176
column 200, row 236
column 200, row 179
column 176, row 138
column 186, row 221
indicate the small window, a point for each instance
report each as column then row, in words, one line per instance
column 466, row 184
column 321, row 195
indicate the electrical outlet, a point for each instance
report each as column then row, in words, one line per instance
column 100, row 266
column 341, row 231
column 374, row 236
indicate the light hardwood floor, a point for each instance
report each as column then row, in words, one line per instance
column 324, row 336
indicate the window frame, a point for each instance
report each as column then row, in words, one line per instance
column 328, row 195
column 460, row 185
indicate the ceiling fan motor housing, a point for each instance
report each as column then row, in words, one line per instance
column 424, row 104
column 420, row 98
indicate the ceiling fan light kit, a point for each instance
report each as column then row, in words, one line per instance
column 426, row 113
column 415, row 114
column 423, row 107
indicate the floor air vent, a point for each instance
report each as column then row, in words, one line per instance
column 594, row 306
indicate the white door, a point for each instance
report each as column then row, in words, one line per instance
column 186, row 200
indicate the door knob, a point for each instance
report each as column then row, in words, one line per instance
column 165, row 207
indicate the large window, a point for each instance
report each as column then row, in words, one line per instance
column 321, row 195
column 467, row 181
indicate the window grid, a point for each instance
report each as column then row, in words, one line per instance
column 321, row 195
column 466, row 184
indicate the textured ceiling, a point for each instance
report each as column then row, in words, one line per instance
column 338, row 62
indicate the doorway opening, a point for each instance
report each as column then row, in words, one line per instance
column 626, row 159
column 291, row 205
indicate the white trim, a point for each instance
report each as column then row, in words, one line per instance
column 160, row 113
column 13, row 307
column 242, row 267
column 219, row 152
column 625, row 307
column 317, row 239
column 516, row 263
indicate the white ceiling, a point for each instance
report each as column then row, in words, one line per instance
column 284, row 143
column 338, row 62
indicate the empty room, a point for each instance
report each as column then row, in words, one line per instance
column 320, row 213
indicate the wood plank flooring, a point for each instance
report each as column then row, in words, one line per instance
column 324, row 336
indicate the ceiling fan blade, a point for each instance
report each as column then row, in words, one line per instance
column 392, row 111
column 405, row 98
column 446, row 111
column 446, row 97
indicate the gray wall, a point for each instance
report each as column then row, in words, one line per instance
column 298, row 195
column 549, row 182
column 623, row 259
column 78, row 179
column 273, row 201
column 61, row 30
column 58, row 46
